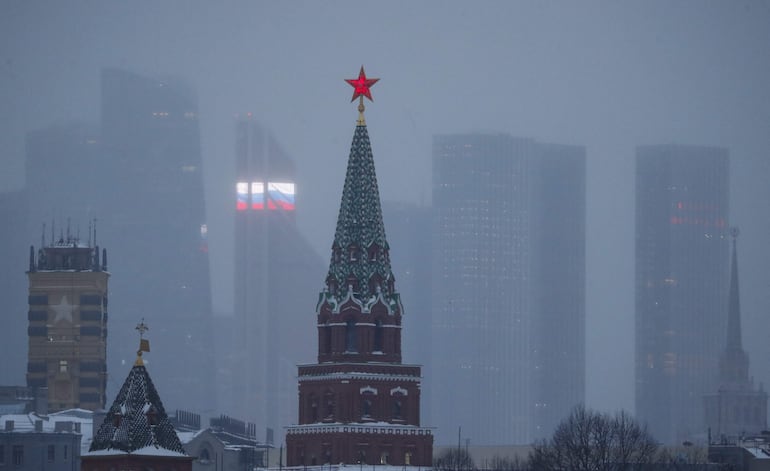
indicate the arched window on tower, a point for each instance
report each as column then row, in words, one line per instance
column 327, row 338
column 366, row 407
column 378, row 335
column 313, row 407
column 350, row 337
column 329, row 404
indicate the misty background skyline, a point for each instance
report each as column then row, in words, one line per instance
column 604, row 75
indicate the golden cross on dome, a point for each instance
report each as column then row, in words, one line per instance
column 144, row 344
column 361, row 88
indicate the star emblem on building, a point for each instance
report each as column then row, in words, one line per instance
column 63, row 310
column 361, row 85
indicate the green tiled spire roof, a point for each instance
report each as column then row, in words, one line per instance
column 137, row 421
column 360, row 255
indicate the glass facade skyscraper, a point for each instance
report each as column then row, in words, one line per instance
column 508, row 287
column 682, row 207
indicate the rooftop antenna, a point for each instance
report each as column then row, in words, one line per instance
column 69, row 234
column 90, row 228
column 94, row 231
column 53, row 231
column 42, row 237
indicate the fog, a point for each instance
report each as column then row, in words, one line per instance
column 605, row 75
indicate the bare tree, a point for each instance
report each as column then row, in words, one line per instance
column 454, row 459
column 589, row 440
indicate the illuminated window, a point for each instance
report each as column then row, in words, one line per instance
column 280, row 196
column 63, row 366
column 242, row 191
column 257, row 195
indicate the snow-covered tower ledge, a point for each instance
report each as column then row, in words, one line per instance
column 359, row 405
column 136, row 432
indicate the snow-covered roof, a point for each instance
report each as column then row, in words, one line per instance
column 25, row 423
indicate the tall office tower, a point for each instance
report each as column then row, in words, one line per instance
column 408, row 228
column 68, row 324
column 273, row 262
column 508, row 286
column 681, row 269
column 737, row 408
column 359, row 404
column 154, row 212
column 13, row 338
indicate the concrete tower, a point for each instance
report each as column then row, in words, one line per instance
column 68, row 324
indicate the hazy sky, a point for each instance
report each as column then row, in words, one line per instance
column 607, row 75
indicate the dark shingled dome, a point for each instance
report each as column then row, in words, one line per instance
column 137, row 419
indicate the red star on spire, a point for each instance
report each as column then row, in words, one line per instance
column 361, row 85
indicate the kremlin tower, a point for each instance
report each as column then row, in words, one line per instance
column 136, row 432
column 359, row 404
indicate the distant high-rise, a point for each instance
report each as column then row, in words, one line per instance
column 273, row 262
column 409, row 230
column 154, row 213
column 13, row 289
column 681, row 267
column 68, row 324
column 737, row 408
column 508, row 286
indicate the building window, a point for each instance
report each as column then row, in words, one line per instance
column 65, row 453
column 2, row 454
column 313, row 403
column 378, row 336
column 366, row 408
column 397, row 409
column 18, row 455
column 329, row 401
column 384, row 457
column 62, row 366
column 350, row 337
column 328, row 338
column 408, row 458
column 51, row 452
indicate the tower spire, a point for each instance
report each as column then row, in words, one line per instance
column 734, row 306
column 734, row 364
column 360, row 265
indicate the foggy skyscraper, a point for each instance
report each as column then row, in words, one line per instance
column 154, row 216
column 508, row 286
column 273, row 264
column 682, row 209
